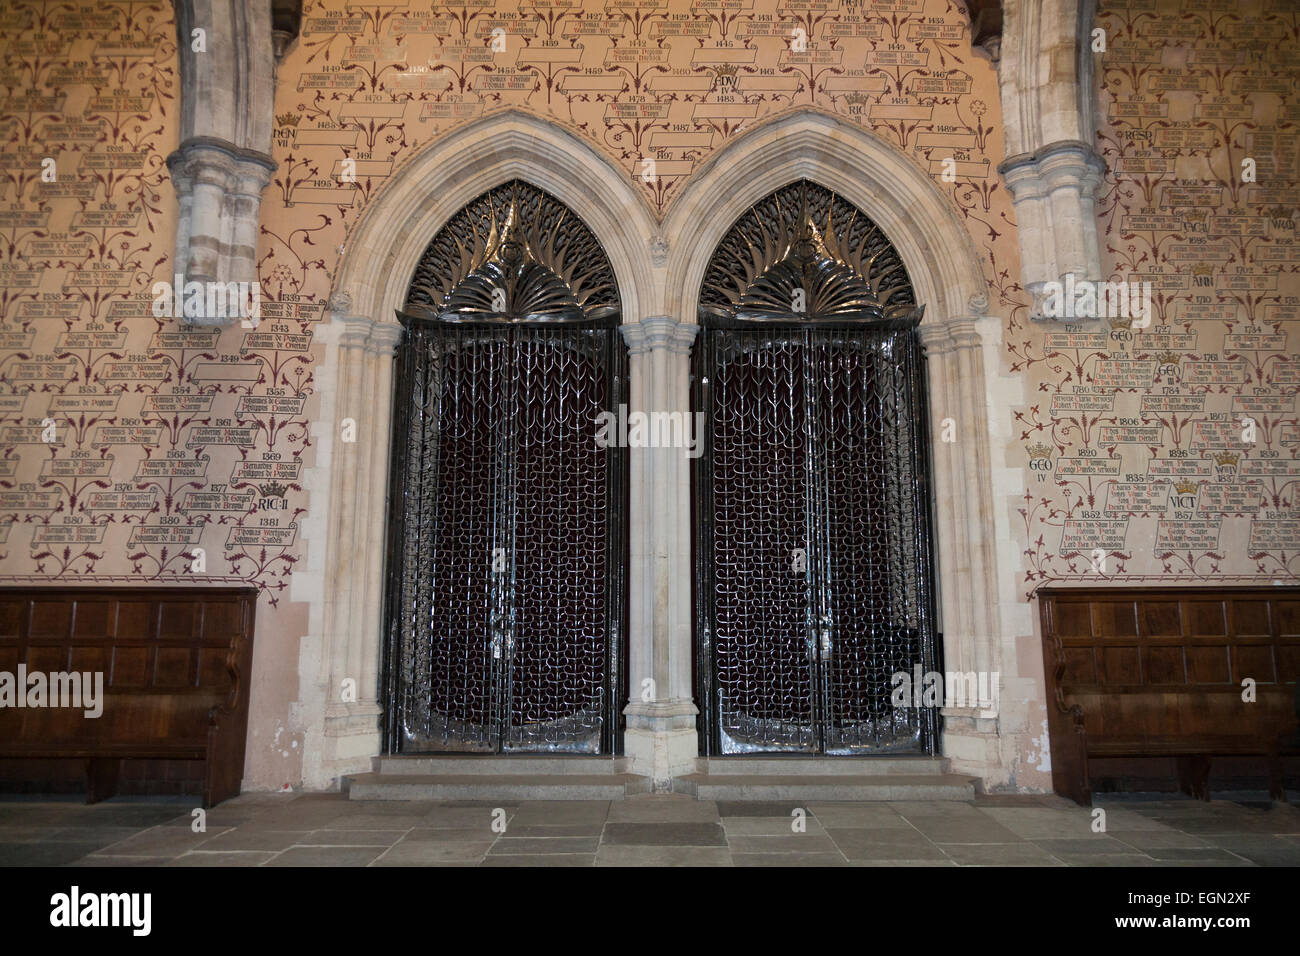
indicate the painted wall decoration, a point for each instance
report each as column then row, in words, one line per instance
column 136, row 448
column 1167, row 452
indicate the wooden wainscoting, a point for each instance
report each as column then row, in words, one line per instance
column 175, row 663
column 1159, row 672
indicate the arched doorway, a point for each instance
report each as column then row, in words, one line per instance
column 813, row 563
column 506, row 546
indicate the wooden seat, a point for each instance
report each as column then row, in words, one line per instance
column 175, row 667
column 1185, row 673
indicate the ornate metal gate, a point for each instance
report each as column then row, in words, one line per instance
column 813, row 549
column 506, row 591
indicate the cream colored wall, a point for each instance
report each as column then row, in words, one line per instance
column 138, row 402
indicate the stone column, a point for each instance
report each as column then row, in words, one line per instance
column 660, row 740
column 219, row 188
column 968, row 591
column 1054, row 191
column 227, row 97
column 348, row 667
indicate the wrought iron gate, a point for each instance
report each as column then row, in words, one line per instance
column 506, row 543
column 813, row 549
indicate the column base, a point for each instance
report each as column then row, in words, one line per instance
column 973, row 745
column 661, row 755
column 348, row 744
column 660, row 741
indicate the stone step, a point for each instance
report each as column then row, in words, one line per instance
column 799, row 765
column 481, row 786
column 497, row 764
column 808, row 788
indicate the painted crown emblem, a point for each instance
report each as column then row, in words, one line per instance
column 274, row 489
column 1186, row 487
column 1169, row 358
column 856, row 98
column 726, row 70
column 288, row 119
column 1227, row 458
column 1202, row 270
column 1039, row 450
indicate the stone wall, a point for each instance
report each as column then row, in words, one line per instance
column 1165, row 452
column 135, row 449
column 184, row 453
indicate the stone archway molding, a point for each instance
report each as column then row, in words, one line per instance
column 659, row 266
column 944, row 266
column 862, row 167
column 342, row 654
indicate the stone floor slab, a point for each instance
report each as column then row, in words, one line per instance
column 558, row 859
column 352, row 837
column 1033, row 823
column 873, row 816
column 886, row 844
column 664, row 834
column 768, row 826
column 999, row 854
column 327, row 856
column 44, row 854
column 761, row 808
column 962, row 830
column 421, row 853
column 789, row 843
column 787, row 859
column 656, row 808
column 239, row 858
column 562, row 812
column 609, row 855
column 520, row 846
column 466, row 818
column 246, row 839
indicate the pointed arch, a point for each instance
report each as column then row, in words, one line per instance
column 894, row 192
column 385, row 246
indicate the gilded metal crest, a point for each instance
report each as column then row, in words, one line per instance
column 804, row 254
column 515, row 254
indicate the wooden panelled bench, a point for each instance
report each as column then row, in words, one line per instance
column 1158, row 672
column 175, row 665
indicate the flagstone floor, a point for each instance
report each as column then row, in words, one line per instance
column 650, row 830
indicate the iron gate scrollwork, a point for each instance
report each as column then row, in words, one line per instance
column 506, row 548
column 814, row 583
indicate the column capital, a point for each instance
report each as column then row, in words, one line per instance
column 1059, row 165
column 356, row 330
column 659, row 332
column 964, row 331
column 384, row 338
column 935, row 337
column 218, row 188
column 958, row 332
column 212, row 149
